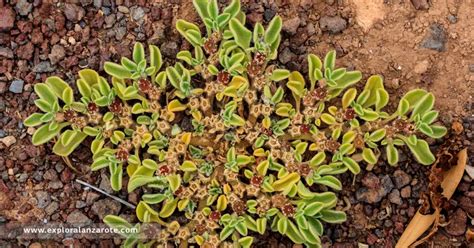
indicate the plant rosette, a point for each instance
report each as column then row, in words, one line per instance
column 227, row 138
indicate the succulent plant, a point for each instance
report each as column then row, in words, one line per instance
column 227, row 138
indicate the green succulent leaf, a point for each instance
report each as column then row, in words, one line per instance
column 246, row 242
column 369, row 156
column 240, row 33
column 330, row 60
column 313, row 208
column 273, row 30
column 280, row 74
column 57, row 85
column 392, row 154
column 352, row 165
column 155, row 58
column 44, row 134
column 68, row 142
column 329, row 181
column 226, row 232
column 138, row 52
column 117, row 70
column 45, row 93
column 33, row 120
column 333, row 216
column 425, row 104
column 421, row 150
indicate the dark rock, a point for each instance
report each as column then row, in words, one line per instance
column 91, row 197
column 471, row 67
column 406, row 192
column 57, row 54
column 268, row 14
column 105, row 184
column 77, row 217
column 372, row 239
column 169, row 49
column 120, row 32
column 137, row 14
column 80, row 204
column 421, row 4
column 16, row 86
column 457, row 223
column 51, row 208
column 332, row 24
column 286, row 56
column 290, row 26
column 371, row 181
column 43, row 198
column 44, row 66
column 86, row 2
column 25, row 51
column 8, row 18
column 436, row 38
column 307, row 4
column 109, row 21
column 6, row 52
column 3, row 88
column 254, row 17
column 105, row 207
column 23, row 7
column 467, row 204
column 55, row 185
column 374, row 193
column 97, row 3
column 73, row 12
column 394, row 197
column 452, row 19
column 50, row 175
column 401, row 178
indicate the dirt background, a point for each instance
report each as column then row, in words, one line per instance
column 411, row 43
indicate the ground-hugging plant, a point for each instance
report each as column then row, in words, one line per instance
column 228, row 139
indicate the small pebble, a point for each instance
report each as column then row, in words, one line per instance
column 16, row 86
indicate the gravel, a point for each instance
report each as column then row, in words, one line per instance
column 105, row 184
column 73, row 12
column 286, row 56
column 332, row 24
column 421, row 4
column 405, row 192
column 16, row 86
column 169, row 49
column 23, row 7
column 43, row 198
column 137, row 13
column 8, row 141
column 57, row 54
column 8, row 18
column 105, row 207
column 395, row 198
column 77, row 217
column 44, row 66
column 6, row 52
column 457, row 223
column 375, row 190
column 291, row 25
column 401, row 178
column 51, row 208
column 436, row 38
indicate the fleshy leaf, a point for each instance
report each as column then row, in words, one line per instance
column 116, row 70
column 241, row 34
